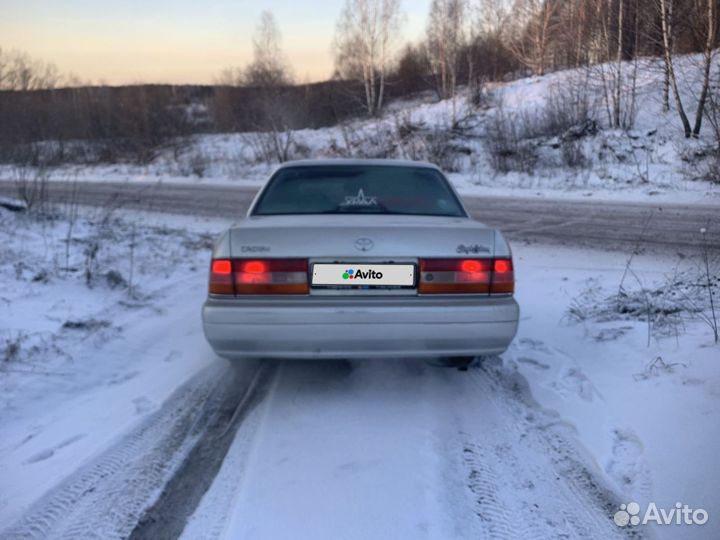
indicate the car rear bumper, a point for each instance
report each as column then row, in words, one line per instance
column 322, row 327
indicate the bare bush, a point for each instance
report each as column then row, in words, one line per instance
column 13, row 346
column 708, row 164
column 567, row 113
column 19, row 71
column 91, row 262
column 194, row 163
column 660, row 308
column 505, row 144
column 712, row 280
column 380, row 142
column 655, row 368
column 711, row 110
column 115, row 279
column 444, row 153
column 707, row 168
column 31, row 187
column 274, row 146
column 512, row 139
column 481, row 97
column 664, row 307
column 573, row 154
column 433, row 145
column 344, row 147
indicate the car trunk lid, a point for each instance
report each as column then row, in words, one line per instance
column 351, row 237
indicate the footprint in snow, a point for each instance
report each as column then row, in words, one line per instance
column 533, row 345
column 142, row 405
column 50, row 452
column 123, row 378
column 532, row 362
column 574, row 380
column 627, row 466
column 34, row 432
column 611, row 334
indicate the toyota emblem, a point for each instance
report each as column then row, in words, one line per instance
column 364, row 244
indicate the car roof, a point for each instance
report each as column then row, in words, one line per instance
column 358, row 162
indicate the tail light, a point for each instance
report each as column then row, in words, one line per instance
column 259, row 276
column 503, row 277
column 221, row 277
column 466, row 276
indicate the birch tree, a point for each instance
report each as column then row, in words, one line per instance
column 445, row 41
column 666, row 13
column 365, row 40
column 269, row 72
column 618, row 60
column 709, row 8
column 539, row 26
column 268, row 67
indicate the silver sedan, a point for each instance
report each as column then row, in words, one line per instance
column 359, row 259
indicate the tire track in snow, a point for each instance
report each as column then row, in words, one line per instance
column 209, row 519
column 171, row 425
column 106, row 497
column 483, row 483
column 167, row 517
column 581, row 504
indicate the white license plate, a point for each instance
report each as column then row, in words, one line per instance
column 382, row 275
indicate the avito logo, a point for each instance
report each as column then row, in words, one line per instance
column 359, row 274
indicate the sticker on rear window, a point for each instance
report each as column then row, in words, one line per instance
column 359, row 200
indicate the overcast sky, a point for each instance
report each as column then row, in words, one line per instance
column 178, row 41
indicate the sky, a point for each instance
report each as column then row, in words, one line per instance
column 179, row 41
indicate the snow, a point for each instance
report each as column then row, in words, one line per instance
column 653, row 431
column 364, row 449
column 68, row 394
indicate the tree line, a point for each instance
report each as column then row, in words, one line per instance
column 465, row 43
column 471, row 42
column 468, row 42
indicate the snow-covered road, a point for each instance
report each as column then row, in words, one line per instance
column 376, row 449
column 401, row 449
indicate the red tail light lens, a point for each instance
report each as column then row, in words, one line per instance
column 271, row 276
column 471, row 266
column 503, row 278
column 221, row 279
column 221, row 266
column 258, row 276
column 466, row 276
column 254, row 267
column 455, row 276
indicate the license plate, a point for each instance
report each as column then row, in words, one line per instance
column 379, row 275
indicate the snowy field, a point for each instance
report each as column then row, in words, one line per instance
column 651, row 161
column 109, row 392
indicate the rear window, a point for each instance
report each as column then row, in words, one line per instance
column 351, row 189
